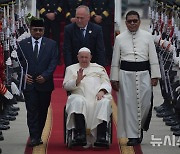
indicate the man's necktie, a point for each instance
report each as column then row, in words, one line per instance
column 36, row 50
column 83, row 32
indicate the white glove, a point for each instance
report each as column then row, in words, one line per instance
column 8, row 61
column 14, row 89
column 178, row 89
column 8, row 95
column 14, row 54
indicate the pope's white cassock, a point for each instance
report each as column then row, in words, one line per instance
column 134, row 96
column 83, row 97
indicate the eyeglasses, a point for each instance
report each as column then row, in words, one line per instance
column 130, row 21
column 38, row 29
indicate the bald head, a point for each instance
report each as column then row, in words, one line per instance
column 82, row 16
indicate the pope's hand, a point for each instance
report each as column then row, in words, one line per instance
column 80, row 76
column 100, row 95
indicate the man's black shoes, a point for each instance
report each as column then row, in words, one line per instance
column 176, row 133
column 1, row 137
column 35, row 142
column 4, row 127
column 133, row 141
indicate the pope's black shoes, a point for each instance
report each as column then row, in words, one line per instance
column 101, row 135
column 80, row 130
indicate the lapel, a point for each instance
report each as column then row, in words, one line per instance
column 43, row 43
column 78, row 33
column 30, row 47
column 88, row 33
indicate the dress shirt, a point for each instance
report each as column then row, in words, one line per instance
column 39, row 43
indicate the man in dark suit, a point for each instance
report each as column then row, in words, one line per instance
column 80, row 34
column 101, row 14
column 51, row 12
column 41, row 54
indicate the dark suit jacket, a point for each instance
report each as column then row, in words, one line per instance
column 73, row 42
column 45, row 65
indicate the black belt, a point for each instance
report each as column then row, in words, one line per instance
column 135, row 66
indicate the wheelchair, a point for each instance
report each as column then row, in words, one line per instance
column 69, row 135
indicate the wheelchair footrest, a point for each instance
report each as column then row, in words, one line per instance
column 75, row 143
column 101, row 144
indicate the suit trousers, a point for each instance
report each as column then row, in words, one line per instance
column 37, row 103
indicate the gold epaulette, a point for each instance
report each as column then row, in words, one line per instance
column 68, row 14
column 59, row 9
column 42, row 10
column 106, row 13
column 92, row 13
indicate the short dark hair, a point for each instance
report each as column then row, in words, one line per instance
column 132, row 12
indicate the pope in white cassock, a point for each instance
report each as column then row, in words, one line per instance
column 134, row 70
column 89, row 105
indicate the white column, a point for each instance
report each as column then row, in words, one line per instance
column 117, row 14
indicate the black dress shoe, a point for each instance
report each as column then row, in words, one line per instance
column 4, row 127
column 175, row 128
column 4, row 122
column 176, row 133
column 13, row 108
column 8, row 117
column 172, row 123
column 0, row 150
column 133, row 142
column 35, row 142
column 164, row 114
column 80, row 138
column 102, row 140
column 1, row 137
column 160, row 109
column 11, row 113
column 168, row 118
